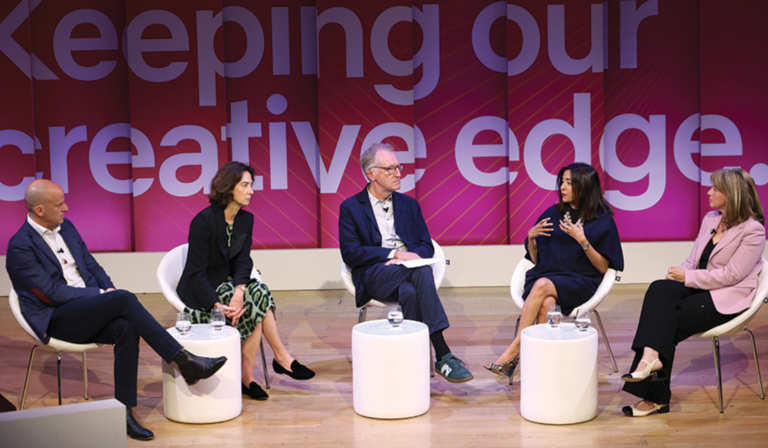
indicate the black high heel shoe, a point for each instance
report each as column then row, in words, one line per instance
column 297, row 372
column 508, row 368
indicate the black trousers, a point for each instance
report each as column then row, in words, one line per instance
column 118, row 318
column 414, row 289
column 671, row 313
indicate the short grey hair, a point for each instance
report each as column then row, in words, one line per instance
column 369, row 156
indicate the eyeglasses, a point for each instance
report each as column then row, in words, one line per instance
column 390, row 169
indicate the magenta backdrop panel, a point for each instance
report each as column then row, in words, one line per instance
column 271, row 94
column 555, row 100
column 462, row 117
column 81, row 116
column 651, row 116
column 734, row 63
column 177, row 104
column 361, row 46
column 17, row 153
column 132, row 106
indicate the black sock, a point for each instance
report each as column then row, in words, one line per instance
column 441, row 348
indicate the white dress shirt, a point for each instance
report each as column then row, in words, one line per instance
column 384, row 212
column 60, row 249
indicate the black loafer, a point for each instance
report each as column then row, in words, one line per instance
column 298, row 371
column 254, row 392
column 134, row 429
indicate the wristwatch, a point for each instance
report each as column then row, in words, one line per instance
column 585, row 247
column 242, row 287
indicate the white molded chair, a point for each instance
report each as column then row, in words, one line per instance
column 56, row 344
column 168, row 275
column 737, row 324
column 517, row 283
column 438, row 271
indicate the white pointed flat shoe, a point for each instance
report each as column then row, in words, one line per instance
column 632, row 411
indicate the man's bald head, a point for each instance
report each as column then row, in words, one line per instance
column 45, row 202
column 38, row 192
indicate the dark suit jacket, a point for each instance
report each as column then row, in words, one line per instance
column 208, row 261
column 38, row 279
column 360, row 239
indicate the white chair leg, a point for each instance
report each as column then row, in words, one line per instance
column 85, row 376
column 716, row 352
column 757, row 365
column 58, row 368
column 264, row 363
column 26, row 382
column 605, row 340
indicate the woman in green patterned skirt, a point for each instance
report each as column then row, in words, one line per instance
column 218, row 275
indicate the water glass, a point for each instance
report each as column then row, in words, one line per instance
column 183, row 323
column 217, row 319
column 582, row 320
column 395, row 316
column 554, row 316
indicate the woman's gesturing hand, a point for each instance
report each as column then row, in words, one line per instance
column 576, row 231
column 543, row 227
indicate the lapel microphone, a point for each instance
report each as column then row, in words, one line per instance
column 386, row 209
column 714, row 231
column 60, row 251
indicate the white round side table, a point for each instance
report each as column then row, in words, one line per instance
column 390, row 369
column 214, row 399
column 558, row 374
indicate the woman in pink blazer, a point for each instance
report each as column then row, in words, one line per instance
column 715, row 283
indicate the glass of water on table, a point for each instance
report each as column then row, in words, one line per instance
column 582, row 319
column 395, row 316
column 183, row 323
column 217, row 319
column 554, row 316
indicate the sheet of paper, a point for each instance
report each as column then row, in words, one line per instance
column 421, row 262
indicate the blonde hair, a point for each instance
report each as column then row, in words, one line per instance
column 741, row 200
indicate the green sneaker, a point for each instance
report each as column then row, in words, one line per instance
column 452, row 368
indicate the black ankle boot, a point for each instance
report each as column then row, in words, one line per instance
column 134, row 429
column 195, row 368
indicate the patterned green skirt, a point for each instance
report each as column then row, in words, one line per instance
column 256, row 301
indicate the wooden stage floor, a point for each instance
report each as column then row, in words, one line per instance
column 316, row 327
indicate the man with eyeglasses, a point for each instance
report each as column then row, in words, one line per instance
column 378, row 229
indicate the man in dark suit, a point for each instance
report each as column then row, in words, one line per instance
column 65, row 293
column 378, row 229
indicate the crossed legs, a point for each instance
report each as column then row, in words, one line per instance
column 543, row 294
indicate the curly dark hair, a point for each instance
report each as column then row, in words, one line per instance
column 225, row 181
column 587, row 191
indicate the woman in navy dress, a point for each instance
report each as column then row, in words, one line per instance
column 570, row 258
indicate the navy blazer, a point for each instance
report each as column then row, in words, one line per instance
column 360, row 239
column 208, row 261
column 38, row 278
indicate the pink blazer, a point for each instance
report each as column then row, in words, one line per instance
column 734, row 265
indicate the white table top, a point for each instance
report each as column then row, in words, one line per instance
column 565, row 332
column 382, row 328
column 204, row 332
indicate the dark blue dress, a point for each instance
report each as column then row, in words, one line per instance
column 562, row 260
